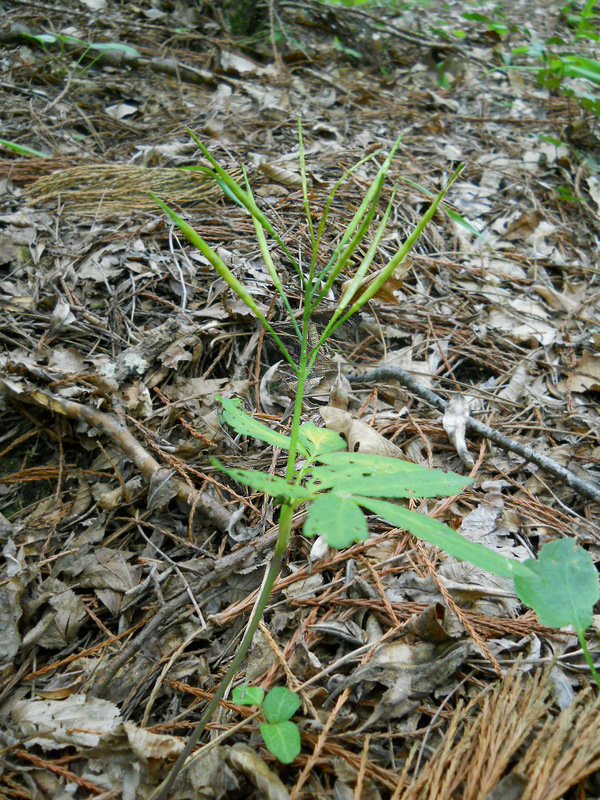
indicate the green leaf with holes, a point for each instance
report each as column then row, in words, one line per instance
column 377, row 476
column 338, row 518
column 282, row 739
column 562, row 587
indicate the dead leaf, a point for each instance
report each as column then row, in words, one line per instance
column 455, row 425
column 387, row 293
column 247, row 761
column 360, row 437
column 284, row 176
column 587, row 374
column 79, row 720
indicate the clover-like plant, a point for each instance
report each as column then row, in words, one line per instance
column 280, row 735
column 338, row 486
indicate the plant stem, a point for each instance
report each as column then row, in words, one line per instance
column 283, row 537
column 302, row 372
column 588, row 657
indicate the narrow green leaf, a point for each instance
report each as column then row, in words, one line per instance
column 377, row 476
column 22, row 149
column 367, row 260
column 440, row 535
column 578, row 67
column 463, row 222
column 42, row 38
column 318, row 441
column 248, row 695
column 217, row 262
column 401, row 254
column 282, row 739
column 272, row 485
column 280, row 704
column 563, row 585
column 194, row 238
column 338, row 518
column 234, row 415
column 125, row 48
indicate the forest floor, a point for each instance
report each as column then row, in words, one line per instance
column 131, row 563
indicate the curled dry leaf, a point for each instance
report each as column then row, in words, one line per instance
column 455, row 425
column 340, row 391
column 281, row 175
column 152, row 745
column 360, row 437
column 247, row 761
column 77, row 721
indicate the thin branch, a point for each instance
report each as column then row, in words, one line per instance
column 586, row 489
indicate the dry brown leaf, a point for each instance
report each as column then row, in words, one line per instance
column 360, row 437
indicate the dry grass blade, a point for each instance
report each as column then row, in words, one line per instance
column 482, row 738
column 566, row 751
column 122, row 187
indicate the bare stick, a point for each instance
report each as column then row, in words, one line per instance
column 586, row 489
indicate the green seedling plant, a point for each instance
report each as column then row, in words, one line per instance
column 280, row 735
column 338, row 487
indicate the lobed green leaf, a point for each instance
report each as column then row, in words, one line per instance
column 378, row 476
column 338, row 518
column 241, row 422
column 440, row 535
column 272, row 485
column 562, row 587
column 318, row 441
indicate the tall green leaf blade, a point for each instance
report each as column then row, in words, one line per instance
column 440, row 535
column 377, row 476
column 338, row 518
column 282, row 739
column 236, row 417
column 272, row 485
column 280, row 704
column 563, row 585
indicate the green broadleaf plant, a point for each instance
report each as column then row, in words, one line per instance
column 281, row 737
column 339, row 486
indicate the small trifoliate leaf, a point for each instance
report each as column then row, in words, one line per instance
column 280, row 704
column 338, row 518
column 282, row 739
column 320, row 440
column 235, row 416
column 563, row 586
column 377, row 476
column 272, row 485
column 248, row 695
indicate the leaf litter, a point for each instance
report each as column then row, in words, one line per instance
column 130, row 564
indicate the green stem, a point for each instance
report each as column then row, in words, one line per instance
column 283, row 537
column 302, row 372
column 588, row 657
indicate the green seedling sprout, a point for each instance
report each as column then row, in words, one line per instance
column 339, row 486
column 280, row 735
